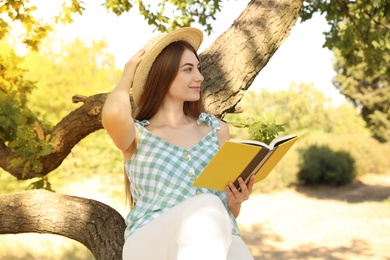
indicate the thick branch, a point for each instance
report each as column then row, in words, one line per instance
column 97, row 226
column 71, row 129
column 65, row 135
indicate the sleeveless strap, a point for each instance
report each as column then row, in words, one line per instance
column 209, row 120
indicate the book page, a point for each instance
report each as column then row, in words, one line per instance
column 251, row 142
column 273, row 160
column 281, row 139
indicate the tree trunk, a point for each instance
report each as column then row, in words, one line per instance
column 97, row 226
column 230, row 65
column 233, row 61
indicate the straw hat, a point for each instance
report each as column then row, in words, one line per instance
column 154, row 47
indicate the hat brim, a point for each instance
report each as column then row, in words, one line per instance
column 152, row 49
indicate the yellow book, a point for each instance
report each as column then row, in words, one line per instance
column 243, row 158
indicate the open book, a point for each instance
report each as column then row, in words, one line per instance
column 243, row 158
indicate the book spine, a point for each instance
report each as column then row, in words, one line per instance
column 254, row 166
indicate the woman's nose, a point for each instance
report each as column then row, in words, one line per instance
column 199, row 76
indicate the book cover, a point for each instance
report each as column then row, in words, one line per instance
column 243, row 158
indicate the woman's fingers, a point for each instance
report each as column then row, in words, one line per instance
column 244, row 189
column 250, row 183
column 139, row 55
column 132, row 64
column 238, row 195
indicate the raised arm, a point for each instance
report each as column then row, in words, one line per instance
column 116, row 114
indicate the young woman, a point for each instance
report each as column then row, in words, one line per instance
column 165, row 147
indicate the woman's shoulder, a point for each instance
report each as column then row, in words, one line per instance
column 224, row 132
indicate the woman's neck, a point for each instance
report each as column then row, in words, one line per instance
column 170, row 115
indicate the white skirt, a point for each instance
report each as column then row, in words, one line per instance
column 198, row 228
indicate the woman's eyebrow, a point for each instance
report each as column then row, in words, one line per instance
column 189, row 64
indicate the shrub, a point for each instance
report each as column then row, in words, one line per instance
column 321, row 165
column 370, row 156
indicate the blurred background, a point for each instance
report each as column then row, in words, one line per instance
column 329, row 198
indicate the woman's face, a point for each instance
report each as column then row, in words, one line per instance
column 187, row 84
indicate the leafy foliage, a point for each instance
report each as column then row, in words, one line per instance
column 19, row 129
column 359, row 29
column 21, row 12
column 41, row 183
column 261, row 130
column 360, row 36
column 170, row 14
column 369, row 92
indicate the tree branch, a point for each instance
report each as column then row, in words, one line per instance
column 96, row 225
column 65, row 135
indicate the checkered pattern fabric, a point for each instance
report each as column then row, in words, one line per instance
column 161, row 174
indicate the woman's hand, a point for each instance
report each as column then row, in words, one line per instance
column 132, row 64
column 236, row 197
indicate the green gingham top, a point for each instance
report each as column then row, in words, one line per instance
column 161, row 174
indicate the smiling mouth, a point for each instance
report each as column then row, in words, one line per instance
column 196, row 88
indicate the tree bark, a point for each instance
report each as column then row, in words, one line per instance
column 97, row 226
column 237, row 56
column 230, row 65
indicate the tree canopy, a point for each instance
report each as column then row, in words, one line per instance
column 359, row 36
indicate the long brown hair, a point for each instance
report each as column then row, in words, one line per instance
column 160, row 78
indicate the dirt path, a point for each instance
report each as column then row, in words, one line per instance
column 321, row 223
